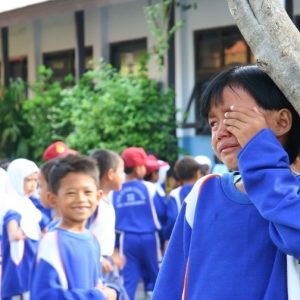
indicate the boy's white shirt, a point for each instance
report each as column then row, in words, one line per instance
column 103, row 226
column 17, row 251
column 293, row 278
column 176, row 195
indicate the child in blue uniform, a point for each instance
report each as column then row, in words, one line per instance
column 43, row 180
column 21, row 229
column 68, row 259
column 111, row 167
column 284, row 182
column 187, row 171
column 139, row 210
column 227, row 244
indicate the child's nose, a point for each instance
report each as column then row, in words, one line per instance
column 82, row 196
column 222, row 131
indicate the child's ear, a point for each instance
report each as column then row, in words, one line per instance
column 283, row 122
column 51, row 199
column 99, row 195
column 110, row 174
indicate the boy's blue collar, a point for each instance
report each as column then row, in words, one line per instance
column 228, row 181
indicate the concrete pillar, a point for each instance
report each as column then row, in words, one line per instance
column 34, row 50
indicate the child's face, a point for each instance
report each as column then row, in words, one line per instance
column 30, row 184
column 76, row 200
column 224, row 144
column 43, row 190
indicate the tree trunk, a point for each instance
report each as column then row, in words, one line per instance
column 274, row 40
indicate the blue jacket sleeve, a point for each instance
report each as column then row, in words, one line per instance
column 273, row 189
column 172, row 213
column 46, row 285
column 169, row 284
column 160, row 207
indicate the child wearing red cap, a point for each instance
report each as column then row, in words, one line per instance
column 139, row 213
column 57, row 149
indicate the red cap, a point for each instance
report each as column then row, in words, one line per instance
column 57, row 149
column 134, row 156
column 152, row 164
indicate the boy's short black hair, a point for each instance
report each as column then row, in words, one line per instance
column 186, row 168
column 128, row 170
column 106, row 160
column 45, row 168
column 72, row 164
column 262, row 88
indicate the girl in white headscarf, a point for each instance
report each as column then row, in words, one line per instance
column 21, row 230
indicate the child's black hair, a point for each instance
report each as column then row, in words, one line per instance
column 264, row 91
column 186, row 168
column 148, row 176
column 4, row 163
column 106, row 160
column 45, row 168
column 72, row 164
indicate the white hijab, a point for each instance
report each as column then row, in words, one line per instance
column 17, row 170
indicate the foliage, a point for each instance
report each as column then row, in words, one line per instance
column 15, row 131
column 118, row 111
column 104, row 110
column 158, row 17
column 46, row 112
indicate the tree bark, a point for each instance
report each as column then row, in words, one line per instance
column 274, row 40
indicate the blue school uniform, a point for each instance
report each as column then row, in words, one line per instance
column 18, row 255
column 176, row 199
column 139, row 210
column 18, row 258
column 67, row 267
column 46, row 212
column 228, row 245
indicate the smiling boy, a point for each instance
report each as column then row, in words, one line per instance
column 68, row 259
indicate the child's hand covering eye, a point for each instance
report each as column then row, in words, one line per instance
column 244, row 122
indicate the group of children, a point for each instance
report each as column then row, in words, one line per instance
column 65, row 262
column 73, row 224
column 223, row 236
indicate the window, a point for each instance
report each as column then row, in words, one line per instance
column 62, row 63
column 125, row 56
column 18, row 67
column 88, row 59
column 215, row 50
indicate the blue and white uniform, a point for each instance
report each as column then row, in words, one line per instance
column 176, row 199
column 227, row 245
column 18, row 255
column 139, row 210
column 103, row 228
column 67, row 267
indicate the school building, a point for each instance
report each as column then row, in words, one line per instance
column 67, row 35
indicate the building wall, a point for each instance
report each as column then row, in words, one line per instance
column 106, row 24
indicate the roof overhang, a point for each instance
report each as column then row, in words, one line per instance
column 6, row 6
column 19, row 11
